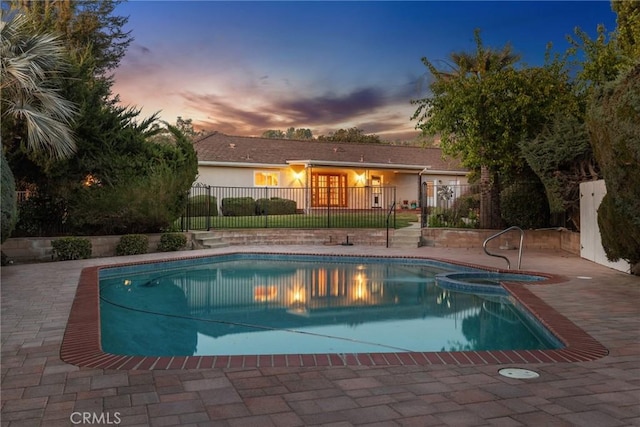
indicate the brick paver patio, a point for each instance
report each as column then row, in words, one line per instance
column 38, row 388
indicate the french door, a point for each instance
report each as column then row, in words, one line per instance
column 328, row 189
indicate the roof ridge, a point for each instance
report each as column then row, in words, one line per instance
column 315, row 141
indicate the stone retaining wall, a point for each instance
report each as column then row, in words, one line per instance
column 533, row 239
column 29, row 249
column 357, row 236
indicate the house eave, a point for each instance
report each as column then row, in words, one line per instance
column 404, row 168
column 242, row 164
column 365, row 165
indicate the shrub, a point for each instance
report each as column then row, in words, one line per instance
column 612, row 120
column 238, row 206
column 143, row 186
column 198, row 206
column 138, row 205
column 525, row 205
column 466, row 210
column 132, row 244
column 275, row 206
column 618, row 245
column 41, row 215
column 440, row 217
column 172, row 242
column 67, row 248
column 9, row 203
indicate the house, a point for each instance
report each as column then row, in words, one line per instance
column 345, row 175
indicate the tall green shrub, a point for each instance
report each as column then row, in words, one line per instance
column 525, row 205
column 142, row 202
column 9, row 203
column 613, row 122
column 202, row 205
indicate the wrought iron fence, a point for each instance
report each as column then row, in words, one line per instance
column 40, row 216
column 521, row 203
column 450, row 205
column 277, row 207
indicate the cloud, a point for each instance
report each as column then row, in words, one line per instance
column 331, row 108
column 224, row 116
column 373, row 109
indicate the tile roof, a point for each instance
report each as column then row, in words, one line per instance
column 218, row 147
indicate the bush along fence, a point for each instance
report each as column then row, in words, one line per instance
column 521, row 203
column 450, row 205
column 211, row 207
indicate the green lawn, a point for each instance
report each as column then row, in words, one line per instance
column 336, row 220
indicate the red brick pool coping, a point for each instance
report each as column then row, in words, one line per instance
column 81, row 342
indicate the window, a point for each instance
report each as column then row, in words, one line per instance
column 266, row 179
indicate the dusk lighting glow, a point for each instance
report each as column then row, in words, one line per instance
column 245, row 67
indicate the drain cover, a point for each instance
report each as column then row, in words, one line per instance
column 518, row 373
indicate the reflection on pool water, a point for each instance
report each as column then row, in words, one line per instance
column 270, row 304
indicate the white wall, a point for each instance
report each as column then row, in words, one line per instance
column 225, row 176
column 591, row 195
column 406, row 184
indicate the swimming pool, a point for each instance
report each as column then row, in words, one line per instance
column 82, row 341
column 251, row 304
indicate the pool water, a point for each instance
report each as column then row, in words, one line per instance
column 248, row 305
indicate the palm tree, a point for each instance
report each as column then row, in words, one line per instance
column 482, row 61
column 477, row 65
column 29, row 63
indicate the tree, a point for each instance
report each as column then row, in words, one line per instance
column 88, row 27
column 120, row 179
column 628, row 27
column 603, row 60
column 273, row 134
column 562, row 154
column 481, row 62
column 9, row 203
column 185, row 126
column 93, row 43
column 612, row 121
column 143, row 189
column 562, row 157
column 468, row 69
column 484, row 108
column 31, row 105
column 291, row 133
column 350, row 135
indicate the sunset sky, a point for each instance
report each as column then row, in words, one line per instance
column 245, row 67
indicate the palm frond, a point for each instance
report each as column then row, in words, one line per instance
column 29, row 63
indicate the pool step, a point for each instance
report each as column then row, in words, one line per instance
column 408, row 237
column 208, row 240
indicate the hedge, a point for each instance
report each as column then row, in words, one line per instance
column 238, row 206
column 275, row 206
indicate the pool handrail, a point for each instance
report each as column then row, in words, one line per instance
column 513, row 227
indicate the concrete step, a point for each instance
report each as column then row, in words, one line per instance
column 408, row 237
column 405, row 242
column 208, row 240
